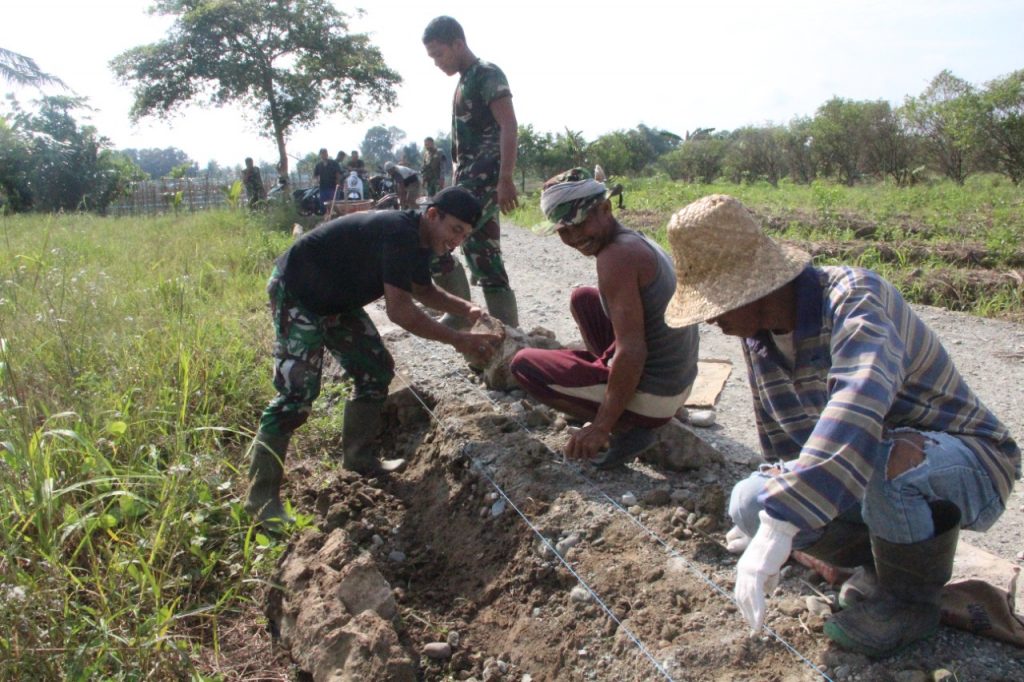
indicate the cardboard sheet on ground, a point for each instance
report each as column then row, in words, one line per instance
column 711, row 377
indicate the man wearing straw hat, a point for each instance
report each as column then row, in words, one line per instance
column 885, row 451
column 636, row 371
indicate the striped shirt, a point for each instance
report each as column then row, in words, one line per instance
column 865, row 364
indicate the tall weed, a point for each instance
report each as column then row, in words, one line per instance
column 131, row 368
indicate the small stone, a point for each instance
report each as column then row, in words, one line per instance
column 629, row 499
column 579, row 594
column 437, row 650
column 498, row 508
column 702, row 418
column 568, row 543
column 818, row 606
column 941, row 675
column 706, row 524
column 396, row 556
column 559, row 424
column 453, row 639
column 1020, row 556
column 376, row 540
column 691, row 519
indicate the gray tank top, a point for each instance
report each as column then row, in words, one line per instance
column 671, row 365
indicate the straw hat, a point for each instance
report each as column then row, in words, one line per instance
column 723, row 260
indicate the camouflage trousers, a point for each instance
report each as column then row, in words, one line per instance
column 301, row 338
column 482, row 250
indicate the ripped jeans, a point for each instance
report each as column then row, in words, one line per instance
column 920, row 467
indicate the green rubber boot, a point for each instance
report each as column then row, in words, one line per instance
column 266, row 471
column 454, row 283
column 359, row 432
column 501, row 303
column 910, row 579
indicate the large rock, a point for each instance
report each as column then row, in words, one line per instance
column 495, row 373
column 679, row 448
column 333, row 612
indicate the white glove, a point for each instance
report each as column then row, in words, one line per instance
column 736, row 540
column 757, row 571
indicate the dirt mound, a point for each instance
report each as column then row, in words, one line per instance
column 489, row 559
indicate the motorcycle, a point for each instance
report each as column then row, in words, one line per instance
column 307, row 201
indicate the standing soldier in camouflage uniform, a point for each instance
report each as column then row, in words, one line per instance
column 484, row 152
column 253, row 182
column 317, row 292
column 432, row 171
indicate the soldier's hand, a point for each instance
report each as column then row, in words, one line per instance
column 507, row 195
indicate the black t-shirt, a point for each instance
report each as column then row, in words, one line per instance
column 328, row 171
column 343, row 264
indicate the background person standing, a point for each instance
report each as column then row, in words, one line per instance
column 328, row 173
column 432, row 173
column 484, row 152
column 253, row 182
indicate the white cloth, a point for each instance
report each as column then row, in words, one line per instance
column 757, row 571
column 568, row 191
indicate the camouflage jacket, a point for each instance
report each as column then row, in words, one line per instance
column 476, row 135
column 432, row 161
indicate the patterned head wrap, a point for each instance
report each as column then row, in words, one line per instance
column 568, row 197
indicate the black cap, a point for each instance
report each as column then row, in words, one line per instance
column 458, row 202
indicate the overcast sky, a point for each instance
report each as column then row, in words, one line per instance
column 594, row 66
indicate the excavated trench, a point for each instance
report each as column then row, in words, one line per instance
column 440, row 572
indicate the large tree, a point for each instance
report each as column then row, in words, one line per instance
column 286, row 61
column 945, row 116
column 1002, row 123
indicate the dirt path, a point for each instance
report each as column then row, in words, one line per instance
column 458, row 536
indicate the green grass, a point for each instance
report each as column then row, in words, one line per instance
column 987, row 215
column 133, row 363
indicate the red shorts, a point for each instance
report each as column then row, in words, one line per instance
column 580, row 377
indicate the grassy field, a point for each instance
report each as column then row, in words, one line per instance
column 956, row 247
column 133, row 362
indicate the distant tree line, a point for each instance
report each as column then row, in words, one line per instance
column 51, row 162
column 951, row 129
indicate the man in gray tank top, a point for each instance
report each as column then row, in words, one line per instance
column 636, row 371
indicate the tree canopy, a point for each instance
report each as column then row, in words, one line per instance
column 287, row 62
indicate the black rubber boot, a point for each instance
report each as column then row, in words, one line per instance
column 625, row 447
column 844, row 544
column 359, row 432
column 454, row 283
column 266, row 471
column 501, row 303
column 910, row 580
